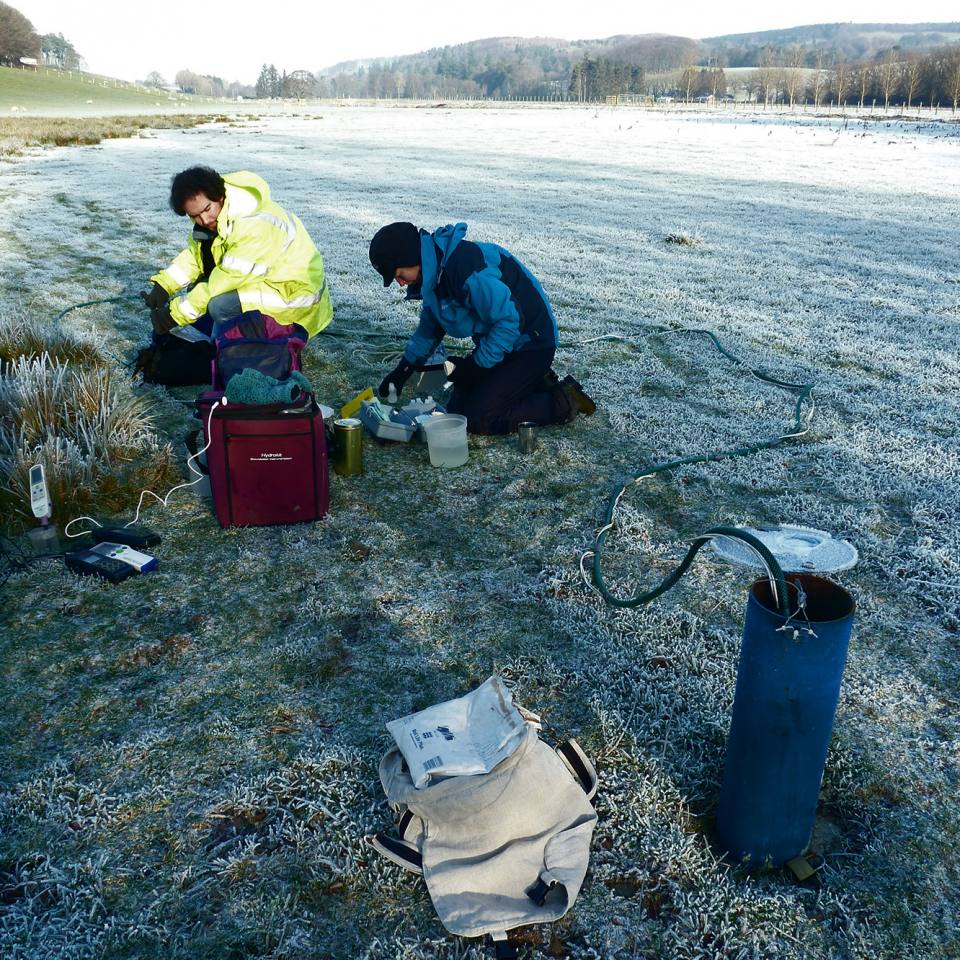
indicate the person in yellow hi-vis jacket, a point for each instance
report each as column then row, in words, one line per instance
column 247, row 258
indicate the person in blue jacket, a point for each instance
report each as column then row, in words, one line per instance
column 480, row 291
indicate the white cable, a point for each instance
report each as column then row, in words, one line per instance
column 66, row 529
column 163, row 500
column 190, row 466
column 583, row 573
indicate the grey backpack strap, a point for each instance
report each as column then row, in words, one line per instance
column 400, row 852
column 404, row 850
column 578, row 763
column 503, row 947
column 409, row 826
column 548, row 885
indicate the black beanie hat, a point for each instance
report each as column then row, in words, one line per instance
column 392, row 246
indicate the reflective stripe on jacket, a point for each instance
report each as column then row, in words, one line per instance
column 262, row 252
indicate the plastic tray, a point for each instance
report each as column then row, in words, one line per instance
column 383, row 429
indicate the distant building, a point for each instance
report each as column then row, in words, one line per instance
column 29, row 62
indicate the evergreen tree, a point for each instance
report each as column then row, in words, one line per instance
column 269, row 83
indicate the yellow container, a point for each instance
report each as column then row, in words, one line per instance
column 352, row 408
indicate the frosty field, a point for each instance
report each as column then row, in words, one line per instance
column 188, row 761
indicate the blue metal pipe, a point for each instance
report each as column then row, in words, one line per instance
column 788, row 684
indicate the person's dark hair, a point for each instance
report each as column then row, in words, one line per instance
column 188, row 183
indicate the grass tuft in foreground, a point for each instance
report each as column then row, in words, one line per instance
column 25, row 337
column 64, row 407
column 684, row 238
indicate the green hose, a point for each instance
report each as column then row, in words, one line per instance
column 92, row 303
column 804, row 391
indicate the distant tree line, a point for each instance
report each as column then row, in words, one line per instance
column 893, row 78
column 660, row 66
column 272, row 83
column 597, row 79
column 492, row 68
column 57, row 51
column 203, row 85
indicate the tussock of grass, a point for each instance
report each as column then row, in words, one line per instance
column 28, row 337
column 88, row 428
column 684, row 238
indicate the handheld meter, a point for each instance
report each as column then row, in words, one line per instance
column 39, row 496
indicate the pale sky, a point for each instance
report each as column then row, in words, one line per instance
column 127, row 39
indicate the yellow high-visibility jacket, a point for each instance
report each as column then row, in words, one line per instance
column 262, row 252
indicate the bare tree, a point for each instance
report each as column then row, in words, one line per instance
column 300, row 84
column 909, row 77
column 154, row 79
column 767, row 76
column 794, row 73
column 818, row 81
column 841, row 80
column 888, row 77
column 717, row 81
column 201, row 86
column 934, row 77
column 953, row 76
column 689, row 76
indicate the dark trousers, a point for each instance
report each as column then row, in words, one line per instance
column 509, row 393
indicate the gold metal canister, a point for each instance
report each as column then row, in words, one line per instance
column 348, row 447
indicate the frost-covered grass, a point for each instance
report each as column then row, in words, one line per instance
column 18, row 133
column 189, row 759
column 63, row 405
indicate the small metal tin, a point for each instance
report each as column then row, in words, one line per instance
column 527, row 436
column 348, row 447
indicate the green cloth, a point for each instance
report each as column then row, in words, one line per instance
column 253, row 387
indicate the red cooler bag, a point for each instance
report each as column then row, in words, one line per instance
column 267, row 464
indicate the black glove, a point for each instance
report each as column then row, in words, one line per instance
column 398, row 376
column 155, row 297
column 465, row 371
column 161, row 319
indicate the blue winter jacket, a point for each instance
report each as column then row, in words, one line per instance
column 477, row 290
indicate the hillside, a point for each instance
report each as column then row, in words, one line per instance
column 850, row 41
column 542, row 67
column 52, row 92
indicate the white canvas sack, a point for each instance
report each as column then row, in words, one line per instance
column 501, row 849
column 471, row 734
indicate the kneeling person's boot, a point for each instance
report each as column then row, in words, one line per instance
column 563, row 409
column 578, row 397
column 550, row 380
